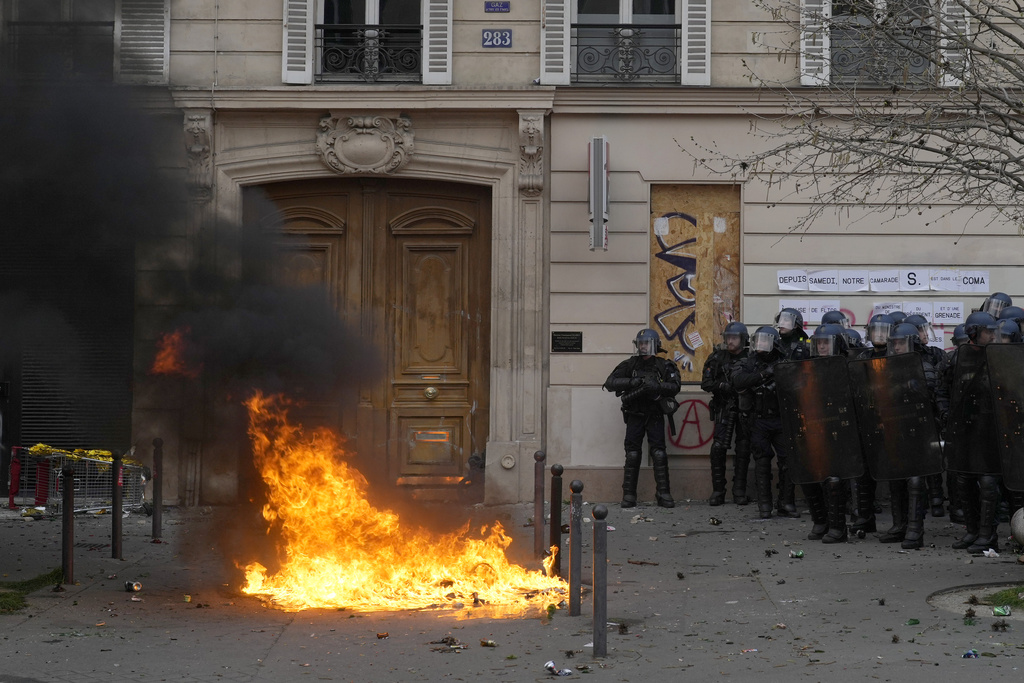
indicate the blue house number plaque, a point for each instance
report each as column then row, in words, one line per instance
column 497, row 37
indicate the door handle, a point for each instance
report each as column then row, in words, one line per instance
column 430, row 393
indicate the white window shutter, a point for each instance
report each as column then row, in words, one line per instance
column 555, row 35
column 696, row 47
column 142, row 29
column 954, row 30
column 814, row 42
column 437, row 42
column 297, row 43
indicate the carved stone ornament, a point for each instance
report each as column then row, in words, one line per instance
column 200, row 160
column 365, row 144
column 531, row 153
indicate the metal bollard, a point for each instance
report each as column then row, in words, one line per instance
column 575, row 545
column 158, row 491
column 67, row 548
column 117, row 503
column 538, row 503
column 600, row 581
column 555, row 539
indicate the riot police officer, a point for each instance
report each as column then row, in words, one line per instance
column 863, row 488
column 995, row 302
column 909, row 496
column 646, row 384
column 790, row 324
column 754, row 381
column 979, row 493
column 936, row 357
column 717, row 380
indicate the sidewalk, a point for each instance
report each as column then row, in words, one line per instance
column 694, row 599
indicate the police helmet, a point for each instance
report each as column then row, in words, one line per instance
column 995, row 302
column 1007, row 332
column 737, row 329
column 879, row 328
column 959, row 336
column 904, row 338
column 853, row 339
column 897, row 317
column 1015, row 313
column 922, row 325
column 766, row 340
column 789, row 319
column 647, row 342
column 829, row 340
column 837, row 317
column 976, row 322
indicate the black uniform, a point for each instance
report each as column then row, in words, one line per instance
column 717, row 381
column 642, row 383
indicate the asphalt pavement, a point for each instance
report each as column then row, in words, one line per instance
column 693, row 591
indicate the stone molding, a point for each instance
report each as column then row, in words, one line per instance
column 199, row 153
column 531, row 152
column 365, row 144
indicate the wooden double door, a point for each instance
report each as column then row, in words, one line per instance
column 408, row 266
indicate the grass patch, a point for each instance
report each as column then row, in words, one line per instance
column 1009, row 596
column 12, row 593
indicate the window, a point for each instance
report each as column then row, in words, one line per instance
column 367, row 41
column 86, row 40
column 879, row 43
column 626, row 41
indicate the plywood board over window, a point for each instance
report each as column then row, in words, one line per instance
column 695, row 269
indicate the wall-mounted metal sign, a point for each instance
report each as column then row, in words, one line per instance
column 497, row 37
column 566, row 342
column 502, row 6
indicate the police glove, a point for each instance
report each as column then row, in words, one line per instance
column 635, row 382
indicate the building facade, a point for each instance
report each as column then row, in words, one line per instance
column 500, row 194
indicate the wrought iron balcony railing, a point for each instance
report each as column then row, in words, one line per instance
column 368, row 52
column 82, row 50
column 866, row 57
column 631, row 53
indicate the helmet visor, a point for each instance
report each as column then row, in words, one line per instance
column 993, row 306
column 878, row 332
column 646, row 347
column 925, row 331
column 823, row 346
column 897, row 346
column 787, row 321
column 762, row 342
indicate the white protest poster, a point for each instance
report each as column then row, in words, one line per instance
column 823, row 280
column 944, row 280
column 974, row 281
column 885, row 280
column 792, row 280
column 880, row 307
column 947, row 312
column 854, row 280
column 914, row 280
column 918, row 308
column 802, row 305
column 816, row 308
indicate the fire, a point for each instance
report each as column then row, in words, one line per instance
column 170, row 355
column 341, row 552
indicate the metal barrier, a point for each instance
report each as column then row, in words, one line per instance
column 35, row 481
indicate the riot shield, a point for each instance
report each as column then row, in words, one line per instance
column 818, row 420
column 1006, row 375
column 970, row 429
column 898, row 433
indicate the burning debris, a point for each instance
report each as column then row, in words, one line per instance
column 340, row 551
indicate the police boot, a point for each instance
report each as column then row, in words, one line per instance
column 660, row 461
column 1004, row 504
column 787, row 495
column 988, row 520
column 835, row 492
column 718, row 480
column 956, row 508
column 851, row 502
column 935, row 495
column 740, row 465
column 630, row 474
column 763, row 484
column 814, row 494
column 967, row 488
column 865, row 522
column 916, row 503
column 898, row 502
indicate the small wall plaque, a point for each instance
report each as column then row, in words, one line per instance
column 566, row 342
column 497, row 37
column 503, row 6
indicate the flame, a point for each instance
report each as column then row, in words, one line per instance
column 170, row 355
column 341, row 552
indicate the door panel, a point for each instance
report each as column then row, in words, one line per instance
column 408, row 262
